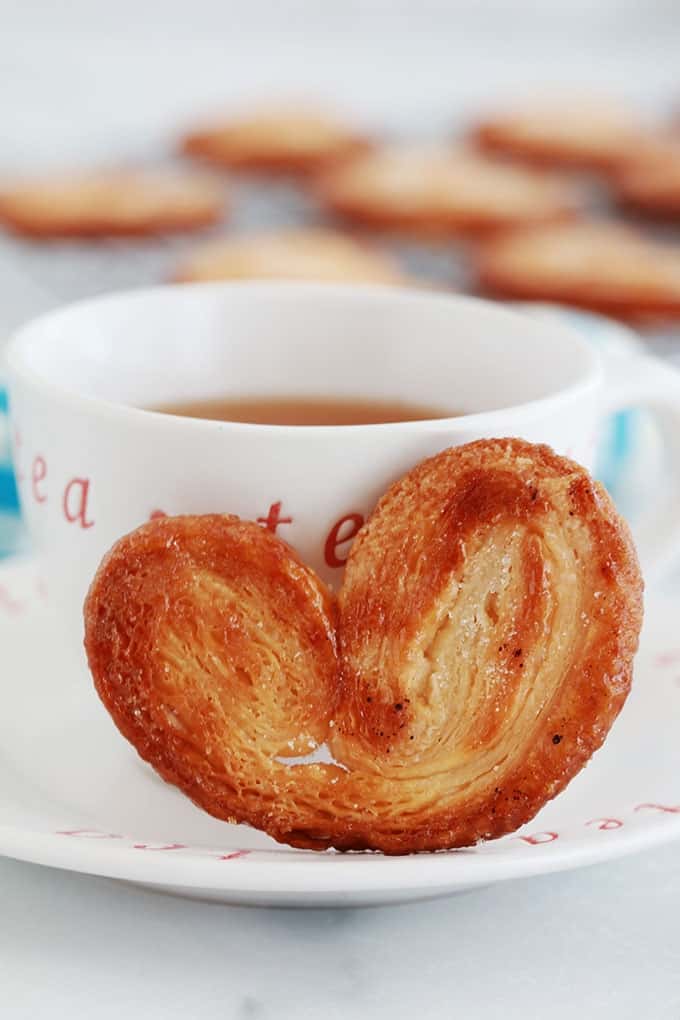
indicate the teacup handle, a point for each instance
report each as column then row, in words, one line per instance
column 642, row 381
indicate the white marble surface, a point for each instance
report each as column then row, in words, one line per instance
column 598, row 943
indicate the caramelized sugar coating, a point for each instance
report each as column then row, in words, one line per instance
column 286, row 139
column 291, row 255
column 442, row 192
column 111, row 203
column 486, row 628
column 649, row 181
column 601, row 266
column 213, row 647
column 576, row 132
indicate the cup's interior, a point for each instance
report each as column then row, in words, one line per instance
column 183, row 343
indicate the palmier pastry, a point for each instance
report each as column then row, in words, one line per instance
column 604, row 267
column 480, row 650
column 649, row 182
column 292, row 255
column 583, row 133
column 291, row 140
column 442, row 192
column 111, row 203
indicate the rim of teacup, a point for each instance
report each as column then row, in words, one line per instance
column 29, row 335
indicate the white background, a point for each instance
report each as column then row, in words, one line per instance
column 83, row 79
column 77, row 74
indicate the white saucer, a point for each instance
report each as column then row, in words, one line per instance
column 74, row 795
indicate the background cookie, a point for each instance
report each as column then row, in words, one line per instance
column 587, row 133
column 437, row 191
column 649, row 182
column 286, row 139
column 111, row 203
column 290, row 254
column 601, row 266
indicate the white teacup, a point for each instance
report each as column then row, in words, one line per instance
column 93, row 463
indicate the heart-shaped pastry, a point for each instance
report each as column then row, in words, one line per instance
column 479, row 651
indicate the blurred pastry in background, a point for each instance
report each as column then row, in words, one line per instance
column 440, row 192
column 293, row 255
column 605, row 267
column 586, row 133
column 649, row 182
column 286, row 139
column 111, row 203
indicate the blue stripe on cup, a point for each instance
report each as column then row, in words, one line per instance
column 619, row 444
column 9, row 497
column 11, row 529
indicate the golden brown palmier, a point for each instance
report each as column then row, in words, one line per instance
column 486, row 628
column 605, row 267
column 572, row 132
column 287, row 139
column 440, row 192
column 111, row 203
column 291, row 255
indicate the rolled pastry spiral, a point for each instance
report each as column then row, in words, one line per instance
column 478, row 652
